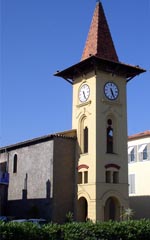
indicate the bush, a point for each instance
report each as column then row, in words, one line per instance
column 125, row 230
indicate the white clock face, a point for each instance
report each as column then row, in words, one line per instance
column 111, row 91
column 84, row 93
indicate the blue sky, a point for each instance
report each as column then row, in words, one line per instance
column 39, row 37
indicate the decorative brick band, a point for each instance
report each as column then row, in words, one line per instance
column 112, row 165
column 82, row 166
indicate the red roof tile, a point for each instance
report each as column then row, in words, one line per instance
column 99, row 41
column 139, row 135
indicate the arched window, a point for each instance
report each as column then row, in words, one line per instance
column 84, row 135
column 85, row 150
column 15, row 164
column 110, row 136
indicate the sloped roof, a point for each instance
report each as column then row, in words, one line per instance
column 99, row 52
column 71, row 134
column 99, row 41
column 139, row 135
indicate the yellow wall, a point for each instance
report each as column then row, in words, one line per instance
column 97, row 110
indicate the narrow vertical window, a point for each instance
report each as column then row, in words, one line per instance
column 132, row 155
column 79, row 177
column 15, row 164
column 131, row 183
column 115, row 177
column 108, row 176
column 145, row 153
column 85, row 139
column 109, row 136
column 86, row 177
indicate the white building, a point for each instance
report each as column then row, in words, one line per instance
column 139, row 174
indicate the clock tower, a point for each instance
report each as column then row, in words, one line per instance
column 99, row 115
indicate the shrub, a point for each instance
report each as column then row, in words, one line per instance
column 125, row 230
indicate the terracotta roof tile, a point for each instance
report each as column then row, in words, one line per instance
column 99, row 41
column 139, row 135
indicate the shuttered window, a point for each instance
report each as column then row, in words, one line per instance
column 131, row 183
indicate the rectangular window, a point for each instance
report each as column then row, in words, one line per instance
column 131, row 154
column 131, row 183
column 86, row 177
column 143, row 152
column 108, row 176
column 79, row 177
column 115, row 177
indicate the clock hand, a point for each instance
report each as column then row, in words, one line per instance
column 84, row 94
column 112, row 92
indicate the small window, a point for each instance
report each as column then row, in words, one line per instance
column 15, row 164
column 131, row 183
column 109, row 136
column 115, row 177
column 108, row 176
column 132, row 155
column 86, row 177
column 79, row 177
column 82, row 177
column 145, row 153
column 85, row 140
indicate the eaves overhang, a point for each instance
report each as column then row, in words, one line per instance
column 93, row 63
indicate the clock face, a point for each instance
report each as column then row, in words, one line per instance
column 84, row 93
column 111, row 91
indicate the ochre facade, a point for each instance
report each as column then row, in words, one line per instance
column 95, row 112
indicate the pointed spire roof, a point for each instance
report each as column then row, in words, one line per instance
column 99, row 41
column 99, row 52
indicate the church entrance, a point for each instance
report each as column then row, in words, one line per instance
column 82, row 209
column 112, row 209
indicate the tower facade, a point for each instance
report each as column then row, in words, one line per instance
column 99, row 116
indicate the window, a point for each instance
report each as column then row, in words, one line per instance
column 86, row 177
column 115, row 177
column 112, row 176
column 131, row 154
column 108, row 176
column 15, row 164
column 79, row 177
column 84, row 135
column 109, row 136
column 143, row 152
column 83, row 177
column 85, row 150
column 131, row 183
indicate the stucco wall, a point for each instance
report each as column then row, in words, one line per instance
column 34, row 169
column 64, row 178
column 44, row 183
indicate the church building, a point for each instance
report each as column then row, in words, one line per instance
column 83, row 170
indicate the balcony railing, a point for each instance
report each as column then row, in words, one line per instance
column 4, row 178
